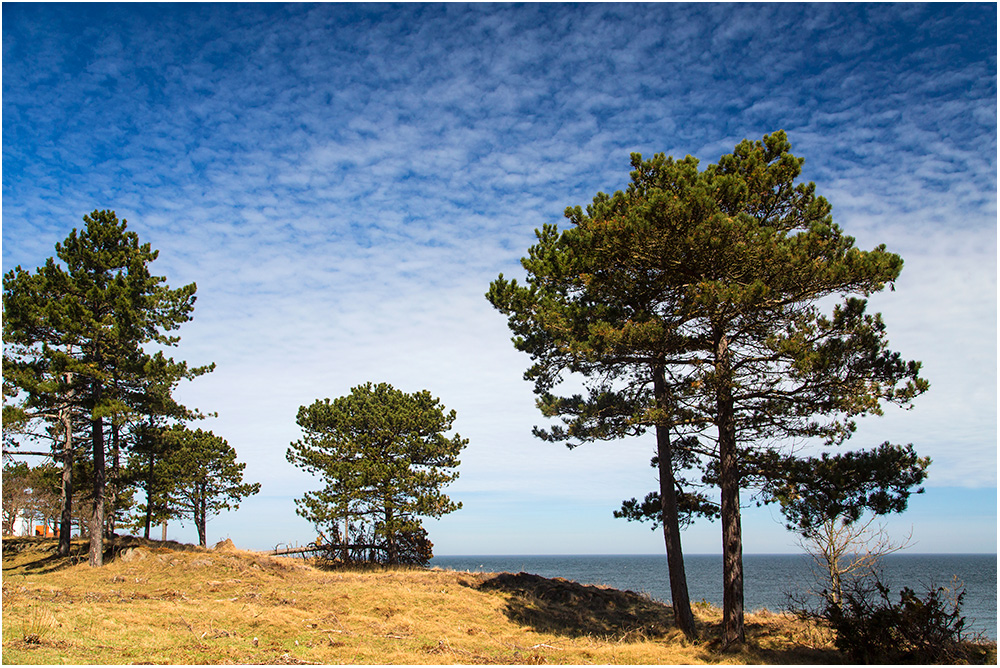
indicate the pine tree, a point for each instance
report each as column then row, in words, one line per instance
column 731, row 262
column 384, row 458
column 585, row 311
column 201, row 476
column 86, row 320
column 146, row 470
column 40, row 403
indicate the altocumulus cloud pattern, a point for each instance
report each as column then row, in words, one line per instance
column 343, row 182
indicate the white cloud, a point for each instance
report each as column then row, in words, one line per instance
column 344, row 181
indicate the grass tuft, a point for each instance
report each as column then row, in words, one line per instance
column 36, row 626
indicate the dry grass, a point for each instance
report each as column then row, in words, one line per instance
column 182, row 605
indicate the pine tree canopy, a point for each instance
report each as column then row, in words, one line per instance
column 384, row 459
column 692, row 301
column 79, row 327
column 202, row 475
column 843, row 486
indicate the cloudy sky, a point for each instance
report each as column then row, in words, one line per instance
column 344, row 181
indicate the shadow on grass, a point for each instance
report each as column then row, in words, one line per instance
column 40, row 555
column 568, row 608
column 35, row 556
column 772, row 639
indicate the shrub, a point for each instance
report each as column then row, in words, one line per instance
column 871, row 628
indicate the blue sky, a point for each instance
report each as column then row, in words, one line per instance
column 344, row 181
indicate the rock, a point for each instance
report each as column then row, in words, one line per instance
column 201, row 562
column 224, row 545
column 134, row 554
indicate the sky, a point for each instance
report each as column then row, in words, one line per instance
column 344, row 181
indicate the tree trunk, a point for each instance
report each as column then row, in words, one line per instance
column 200, row 511
column 732, row 539
column 149, row 496
column 347, row 538
column 66, row 518
column 115, row 471
column 732, row 552
column 683, row 618
column 97, row 519
column 390, row 536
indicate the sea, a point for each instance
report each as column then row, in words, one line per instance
column 769, row 579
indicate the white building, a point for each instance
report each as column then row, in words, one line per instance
column 25, row 525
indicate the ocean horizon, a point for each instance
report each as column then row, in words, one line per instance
column 700, row 554
column 770, row 580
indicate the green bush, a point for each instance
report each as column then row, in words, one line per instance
column 871, row 628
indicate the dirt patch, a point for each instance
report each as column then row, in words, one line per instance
column 568, row 608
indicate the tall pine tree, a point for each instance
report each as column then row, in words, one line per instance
column 728, row 265
column 87, row 318
column 588, row 312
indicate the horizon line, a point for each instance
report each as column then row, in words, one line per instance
column 708, row 554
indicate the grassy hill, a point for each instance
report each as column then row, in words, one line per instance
column 178, row 604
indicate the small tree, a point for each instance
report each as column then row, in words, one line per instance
column 833, row 502
column 384, row 459
column 147, row 470
column 203, row 476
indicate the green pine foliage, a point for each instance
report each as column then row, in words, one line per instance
column 384, row 459
column 690, row 302
column 201, row 476
column 74, row 333
column 842, row 486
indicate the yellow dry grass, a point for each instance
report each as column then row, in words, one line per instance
column 164, row 604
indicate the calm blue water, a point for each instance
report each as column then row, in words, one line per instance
column 768, row 579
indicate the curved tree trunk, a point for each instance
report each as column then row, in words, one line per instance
column 683, row 618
